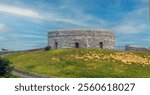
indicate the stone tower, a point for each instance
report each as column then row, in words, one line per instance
column 81, row 38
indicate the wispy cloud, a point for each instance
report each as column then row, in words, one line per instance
column 30, row 36
column 130, row 28
column 65, row 13
column 2, row 27
column 2, row 38
column 146, row 39
column 133, row 22
column 52, row 16
column 19, row 11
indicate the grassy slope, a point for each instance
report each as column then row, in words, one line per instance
column 83, row 63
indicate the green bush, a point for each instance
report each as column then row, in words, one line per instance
column 48, row 48
column 5, row 67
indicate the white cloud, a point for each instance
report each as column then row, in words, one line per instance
column 85, row 22
column 130, row 28
column 57, row 14
column 146, row 39
column 2, row 38
column 31, row 36
column 2, row 27
column 71, row 21
column 65, row 12
column 52, row 16
column 134, row 22
column 19, row 11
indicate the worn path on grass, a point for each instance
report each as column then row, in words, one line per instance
column 24, row 74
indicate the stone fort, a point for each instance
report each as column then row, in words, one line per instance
column 81, row 38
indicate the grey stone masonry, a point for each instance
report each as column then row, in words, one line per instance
column 81, row 38
column 137, row 48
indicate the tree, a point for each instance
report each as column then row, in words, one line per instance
column 5, row 67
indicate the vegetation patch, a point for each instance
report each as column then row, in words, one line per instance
column 92, row 63
column 5, row 68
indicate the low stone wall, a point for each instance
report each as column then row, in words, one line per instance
column 135, row 48
column 11, row 52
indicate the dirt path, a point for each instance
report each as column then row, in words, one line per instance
column 24, row 74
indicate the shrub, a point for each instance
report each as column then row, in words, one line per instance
column 48, row 48
column 5, row 67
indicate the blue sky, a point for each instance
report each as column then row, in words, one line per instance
column 24, row 24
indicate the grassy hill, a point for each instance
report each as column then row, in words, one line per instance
column 92, row 63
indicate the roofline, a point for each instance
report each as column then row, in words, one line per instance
column 63, row 30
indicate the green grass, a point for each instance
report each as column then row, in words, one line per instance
column 63, row 63
column 10, row 76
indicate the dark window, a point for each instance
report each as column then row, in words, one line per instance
column 56, row 45
column 77, row 45
column 101, row 45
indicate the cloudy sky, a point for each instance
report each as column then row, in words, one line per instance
column 24, row 24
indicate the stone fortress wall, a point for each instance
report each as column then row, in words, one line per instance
column 81, row 38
